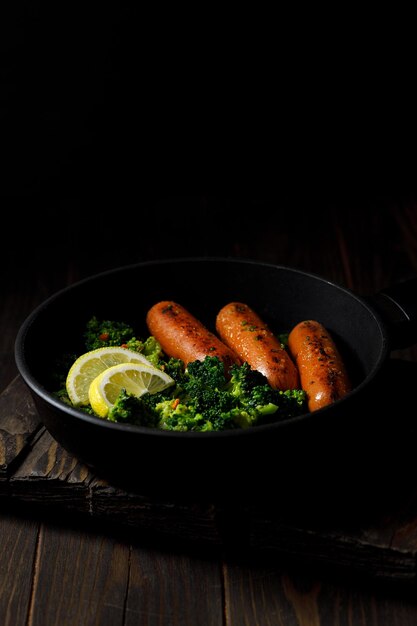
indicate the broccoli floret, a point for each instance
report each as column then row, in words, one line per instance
column 223, row 421
column 272, row 405
column 292, row 402
column 213, row 404
column 100, row 333
column 151, row 348
column 177, row 416
column 260, row 395
column 243, row 417
column 174, row 368
column 204, row 399
column 183, row 417
column 134, row 344
column 198, row 401
column 244, row 379
column 204, row 388
column 132, row 410
column 255, row 397
column 258, row 402
column 209, row 372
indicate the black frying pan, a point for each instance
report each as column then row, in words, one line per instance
column 251, row 460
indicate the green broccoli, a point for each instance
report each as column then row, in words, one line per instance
column 197, row 401
column 174, row 368
column 100, row 333
column 151, row 348
column 133, row 410
column 207, row 373
column 258, row 401
column 244, row 379
column 175, row 415
column 204, row 399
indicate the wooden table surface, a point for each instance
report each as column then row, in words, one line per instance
column 58, row 567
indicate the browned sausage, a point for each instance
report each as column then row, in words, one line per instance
column 247, row 334
column 184, row 337
column 322, row 372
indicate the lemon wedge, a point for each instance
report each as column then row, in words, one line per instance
column 89, row 365
column 135, row 378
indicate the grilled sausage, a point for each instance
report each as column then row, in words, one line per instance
column 184, row 337
column 247, row 334
column 323, row 374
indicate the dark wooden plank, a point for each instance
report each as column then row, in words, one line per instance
column 404, row 535
column 269, row 594
column 367, row 552
column 18, row 545
column 316, row 530
column 256, row 595
column 194, row 522
column 81, row 578
column 19, row 424
column 179, row 589
column 50, row 475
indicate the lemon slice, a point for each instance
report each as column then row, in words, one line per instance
column 89, row 365
column 135, row 378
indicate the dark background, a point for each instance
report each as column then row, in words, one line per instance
column 103, row 232
column 115, row 101
column 110, row 116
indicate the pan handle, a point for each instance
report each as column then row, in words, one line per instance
column 397, row 305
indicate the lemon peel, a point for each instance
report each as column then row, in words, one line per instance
column 90, row 364
column 136, row 378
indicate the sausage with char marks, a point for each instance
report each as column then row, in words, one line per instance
column 322, row 372
column 184, row 337
column 247, row 334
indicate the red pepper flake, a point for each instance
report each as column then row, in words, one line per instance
column 104, row 336
column 124, row 345
column 175, row 403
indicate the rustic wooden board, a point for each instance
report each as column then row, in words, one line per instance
column 18, row 543
column 36, row 470
column 19, row 425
